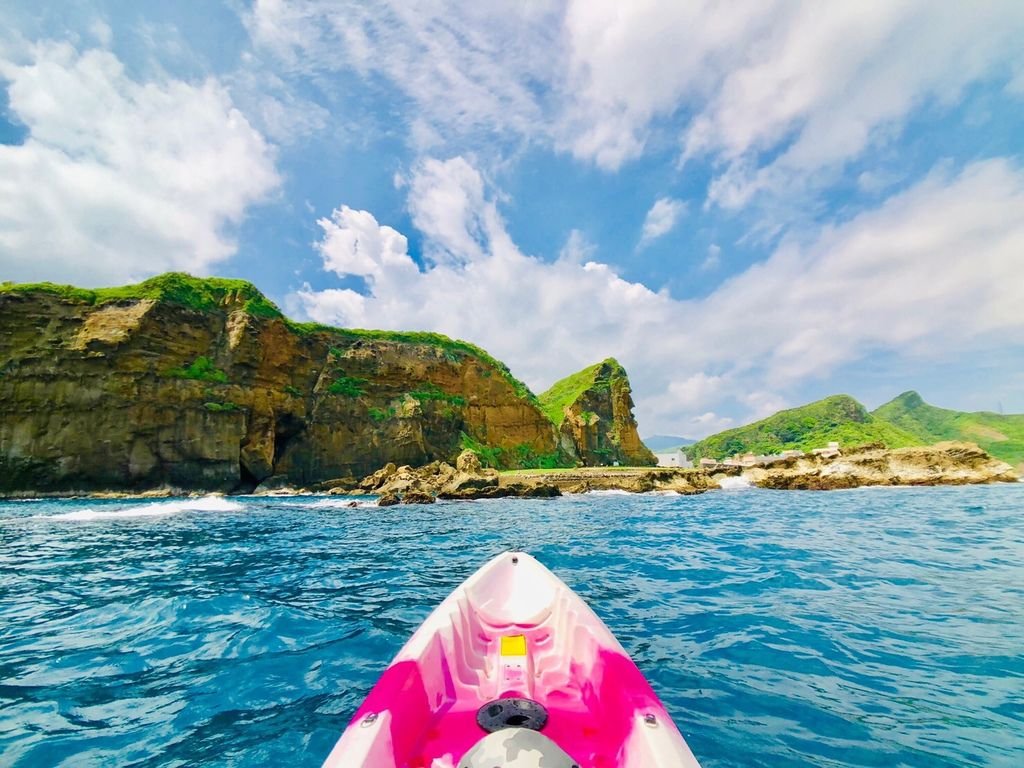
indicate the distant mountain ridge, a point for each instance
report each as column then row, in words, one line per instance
column 837, row 418
column 666, row 442
column 907, row 420
column 1001, row 435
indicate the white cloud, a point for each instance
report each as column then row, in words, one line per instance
column 778, row 93
column 465, row 67
column 119, row 179
column 708, row 423
column 577, row 248
column 355, row 244
column 825, row 83
column 933, row 271
column 713, row 259
column 661, row 218
column 102, row 32
column 275, row 108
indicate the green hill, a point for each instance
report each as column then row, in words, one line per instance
column 837, row 418
column 1002, row 436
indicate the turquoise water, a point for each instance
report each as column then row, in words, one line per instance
column 873, row 627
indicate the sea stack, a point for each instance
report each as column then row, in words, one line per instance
column 593, row 410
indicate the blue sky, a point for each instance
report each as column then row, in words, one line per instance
column 750, row 206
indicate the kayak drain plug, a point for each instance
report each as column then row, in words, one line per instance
column 511, row 713
column 650, row 720
column 369, row 720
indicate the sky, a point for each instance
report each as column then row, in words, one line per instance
column 751, row 205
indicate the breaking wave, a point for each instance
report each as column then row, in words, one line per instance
column 156, row 509
column 734, row 483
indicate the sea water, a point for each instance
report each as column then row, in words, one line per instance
column 871, row 627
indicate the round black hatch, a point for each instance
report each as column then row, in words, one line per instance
column 511, row 713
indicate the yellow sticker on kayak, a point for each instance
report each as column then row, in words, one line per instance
column 513, row 645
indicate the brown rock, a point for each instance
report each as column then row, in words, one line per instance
column 418, row 497
column 468, row 462
column 941, row 464
column 599, row 421
column 135, row 393
column 388, row 500
column 378, row 478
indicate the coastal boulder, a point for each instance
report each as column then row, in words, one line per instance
column 468, row 462
column 378, row 478
column 418, row 497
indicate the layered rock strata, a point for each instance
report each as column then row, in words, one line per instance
column 203, row 385
column 594, row 413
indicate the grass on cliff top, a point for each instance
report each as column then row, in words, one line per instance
column 199, row 293
column 211, row 293
column 837, row 418
column 1001, row 435
column 567, row 391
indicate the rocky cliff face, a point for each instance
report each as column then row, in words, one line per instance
column 594, row 413
column 203, row 384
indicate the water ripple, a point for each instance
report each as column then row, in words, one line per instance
column 859, row 628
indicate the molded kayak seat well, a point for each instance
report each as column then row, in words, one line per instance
column 511, row 631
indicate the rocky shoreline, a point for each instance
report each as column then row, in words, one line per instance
column 951, row 463
column 948, row 463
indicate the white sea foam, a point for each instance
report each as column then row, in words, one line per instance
column 344, row 502
column 623, row 492
column 157, row 509
column 734, row 483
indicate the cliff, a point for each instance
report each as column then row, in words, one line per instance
column 593, row 410
column 1000, row 435
column 838, row 418
column 203, row 384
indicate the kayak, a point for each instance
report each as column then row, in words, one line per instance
column 512, row 670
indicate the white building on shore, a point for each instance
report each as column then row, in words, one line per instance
column 674, row 458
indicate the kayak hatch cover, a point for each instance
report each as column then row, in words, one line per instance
column 512, row 670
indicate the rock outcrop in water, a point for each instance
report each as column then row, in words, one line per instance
column 203, row 384
column 594, row 413
column 947, row 463
column 466, row 480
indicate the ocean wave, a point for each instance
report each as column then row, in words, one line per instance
column 345, row 502
column 623, row 492
column 734, row 483
column 157, row 509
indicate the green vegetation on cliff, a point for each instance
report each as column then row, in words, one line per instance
column 567, row 391
column 1002, row 436
column 202, row 369
column 200, row 293
column 838, row 418
column 201, row 383
column 205, row 294
column 593, row 410
column 519, row 456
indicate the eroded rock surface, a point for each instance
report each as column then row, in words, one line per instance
column 182, row 382
column 594, row 413
column 949, row 463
